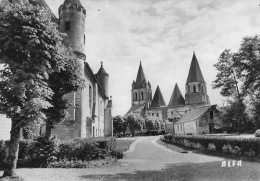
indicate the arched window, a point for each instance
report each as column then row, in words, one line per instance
column 194, row 89
column 136, row 96
column 142, row 96
column 202, row 88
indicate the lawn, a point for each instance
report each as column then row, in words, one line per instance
column 123, row 144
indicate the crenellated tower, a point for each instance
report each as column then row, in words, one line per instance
column 141, row 89
column 196, row 89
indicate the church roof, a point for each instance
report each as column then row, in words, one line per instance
column 195, row 74
column 134, row 108
column 176, row 98
column 101, row 71
column 140, row 79
column 158, row 100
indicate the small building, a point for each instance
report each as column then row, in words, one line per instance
column 198, row 121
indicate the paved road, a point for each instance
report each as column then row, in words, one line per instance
column 147, row 154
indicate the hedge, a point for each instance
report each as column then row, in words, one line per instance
column 42, row 152
column 229, row 145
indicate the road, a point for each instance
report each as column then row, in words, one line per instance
column 147, row 160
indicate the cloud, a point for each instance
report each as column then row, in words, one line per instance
column 162, row 34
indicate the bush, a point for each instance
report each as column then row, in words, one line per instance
column 257, row 133
column 228, row 145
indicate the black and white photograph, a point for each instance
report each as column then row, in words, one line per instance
column 128, row 90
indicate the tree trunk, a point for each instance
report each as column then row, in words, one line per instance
column 48, row 129
column 133, row 132
column 12, row 151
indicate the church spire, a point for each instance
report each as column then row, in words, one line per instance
column 158, row 100
column 195, row 74
column 176, row 98
column 140, row 79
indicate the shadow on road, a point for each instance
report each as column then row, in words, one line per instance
column 188, row 171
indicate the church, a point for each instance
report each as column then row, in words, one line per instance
column 179, row 111
column 90, row 113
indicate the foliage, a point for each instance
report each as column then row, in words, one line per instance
column 133, row 123
column 230, row 145
column 226, row 76
column 119, row 125
column 257, row 133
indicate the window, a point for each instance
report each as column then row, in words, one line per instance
column 194, row 89
column 84, row 39
column 142, row 96
column 67, row 25
column 171, row 112
column 211, row 114
column 90, row 97
column 152, row 114
column 202, row 88
column 157, row 114
column 136, row 96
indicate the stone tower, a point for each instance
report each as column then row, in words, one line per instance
column 102, row 78
column 141, row 89
column 196, row 90
column 72, row 17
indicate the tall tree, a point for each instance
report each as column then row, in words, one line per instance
column 226, row 76
column 31, row 50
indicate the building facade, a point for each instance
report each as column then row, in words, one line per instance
column 90, row 113
column 196, row 97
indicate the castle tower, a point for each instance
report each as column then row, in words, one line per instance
column 196, row 90
column 176, row 98
column 72, row 17
column 158, row 100
column 102, row 78
column 141, row 89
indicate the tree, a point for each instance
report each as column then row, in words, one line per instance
column 149, row 125
column 226, row 76
column 132, row 124
column 70, row 80
column 31, row 50
column 119, row 124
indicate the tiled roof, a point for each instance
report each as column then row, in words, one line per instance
column 101, row 71
column 193, row 115
column 158, row 100
column 134, row 108
column 140, row 79
column 176, row 98
column 195, row 74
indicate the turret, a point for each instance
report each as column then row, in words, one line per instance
column 102, row 78
column 72, row 17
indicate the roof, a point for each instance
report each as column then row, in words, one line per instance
column 140, row 79
column 158, row 100
column 195, row 74
column 42, row 3
column 102, row 72
column 134, row 108
column 193, row 115
column 176, row 98
column 72, row 2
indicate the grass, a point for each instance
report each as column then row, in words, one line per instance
column 123, row 145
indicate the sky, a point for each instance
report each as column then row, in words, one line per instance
column 162, row 34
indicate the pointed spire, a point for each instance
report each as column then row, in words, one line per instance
column 158, row 100
column 195, row 74
column 101, row 71
column 140, row 79
column 176, row 98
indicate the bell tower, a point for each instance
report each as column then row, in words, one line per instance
column 141, row 89
column 196, row 90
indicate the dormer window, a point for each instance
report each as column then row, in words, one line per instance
column 67, row 25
